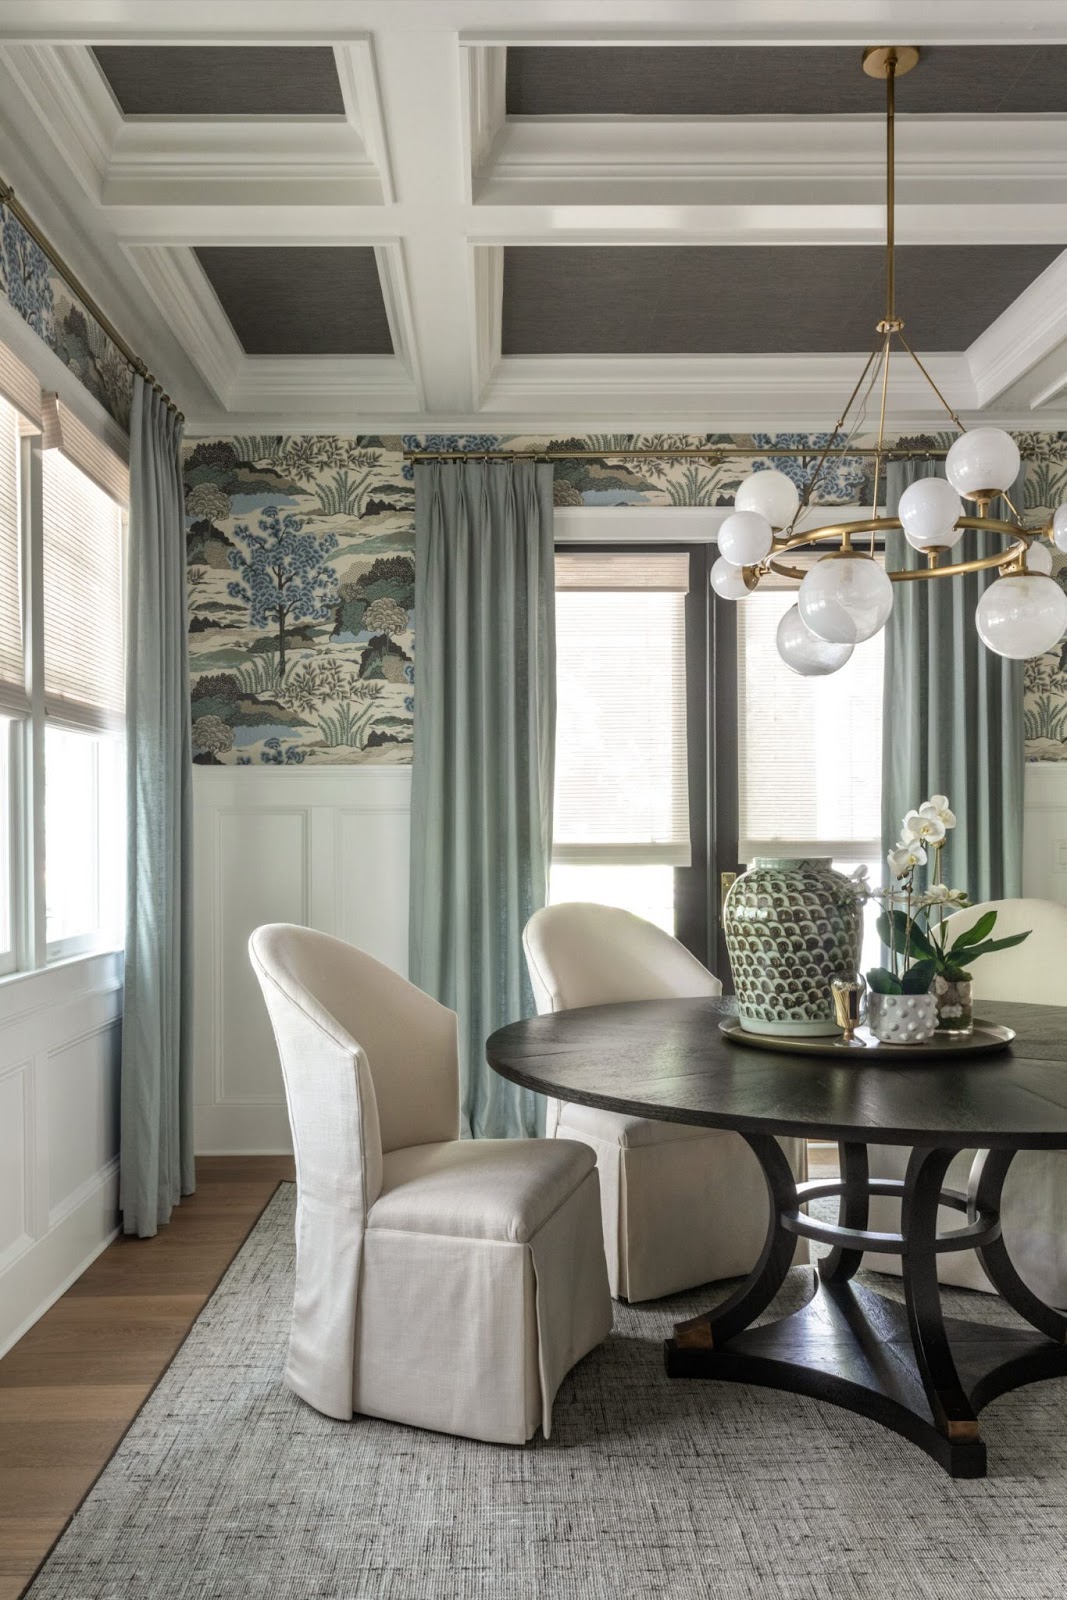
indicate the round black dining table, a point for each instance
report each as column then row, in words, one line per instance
column 906, row 1366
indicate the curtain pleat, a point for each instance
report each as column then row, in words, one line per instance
column 953, row 714
column 156, row 1148
column 481, row 808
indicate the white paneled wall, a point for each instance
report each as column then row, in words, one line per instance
column 325, row 847
column 329, row 848
column 1045, row 839
column 60, row 1036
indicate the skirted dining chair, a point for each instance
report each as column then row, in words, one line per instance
column 445, row 1283
column 681, row 1205
column 1035, row 1192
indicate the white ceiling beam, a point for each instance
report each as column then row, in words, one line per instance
column 419, row 81
column 1029, row 330
column 734, row 22
column 730, row 161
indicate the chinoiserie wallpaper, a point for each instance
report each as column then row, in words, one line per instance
column 302, row 577
column 43, row 299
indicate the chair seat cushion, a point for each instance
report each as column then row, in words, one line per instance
column 612, row 1127
column 479, row 1188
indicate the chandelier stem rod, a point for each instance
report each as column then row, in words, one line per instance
column 886, row 351
column 890, row 195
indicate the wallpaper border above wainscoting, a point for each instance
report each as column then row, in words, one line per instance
column 300, row 553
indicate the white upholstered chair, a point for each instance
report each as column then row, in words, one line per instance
column 1035, row 1192
column 444, row 1283
column 681, row 1205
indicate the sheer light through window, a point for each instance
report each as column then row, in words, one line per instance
column 621, row 821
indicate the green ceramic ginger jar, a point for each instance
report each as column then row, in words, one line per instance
column 791, row 926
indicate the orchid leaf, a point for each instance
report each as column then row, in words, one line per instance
column 919, row 976
column 881, row 981
column 981, row 930
column 897, row 932
column 991, row 945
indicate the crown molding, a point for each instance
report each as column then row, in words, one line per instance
column 240, row 382
column 161, row 162
column 723, row 160
column 815, row 385
column 1029, row 330
column 594, row 22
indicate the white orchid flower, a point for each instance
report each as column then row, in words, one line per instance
column 907, row 855
column 938, row 806
column 939, row 894
column 920, row 827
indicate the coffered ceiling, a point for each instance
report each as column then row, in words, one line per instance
column 581, row 215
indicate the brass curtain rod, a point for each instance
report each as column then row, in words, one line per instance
column 709, row 453
column 7, row 198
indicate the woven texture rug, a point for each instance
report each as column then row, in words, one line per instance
column 229, row 1487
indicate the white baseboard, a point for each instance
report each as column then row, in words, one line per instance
column 47, row 1269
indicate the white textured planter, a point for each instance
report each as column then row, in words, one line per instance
column 902, row 1018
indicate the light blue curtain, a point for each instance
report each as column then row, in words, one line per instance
column 953, row 712
column 156, row 1152
column 481, row 805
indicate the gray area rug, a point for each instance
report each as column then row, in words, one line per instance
column 229, row 1487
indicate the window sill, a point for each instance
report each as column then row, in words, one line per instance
column 22, row 993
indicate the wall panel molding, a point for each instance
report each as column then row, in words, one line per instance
column 60, row 1032
column 323, row 847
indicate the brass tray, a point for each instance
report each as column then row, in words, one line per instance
column 986, row 1038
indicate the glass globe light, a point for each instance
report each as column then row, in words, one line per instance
column 928, row 511
column 771, row 494
column 728, row 581
column 1059, row 527
column 1022, row 615
column 745, row 538
column 1039, row 558
column 982, row 463
column 800, row 649
column 846, row 598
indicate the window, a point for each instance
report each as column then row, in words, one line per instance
column 61, row 682
column 809, row 749
column 621, row 823
column 83, row 695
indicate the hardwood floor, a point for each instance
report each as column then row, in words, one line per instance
column 73, row 1384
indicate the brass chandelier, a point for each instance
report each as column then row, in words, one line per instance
column 847, row 595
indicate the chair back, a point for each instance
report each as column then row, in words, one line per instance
column 588, row 955
column 1033, row 970
column 365, row 1055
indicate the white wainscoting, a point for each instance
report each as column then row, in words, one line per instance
column 325, row 847
column 1045, row 836
column 60, row 1039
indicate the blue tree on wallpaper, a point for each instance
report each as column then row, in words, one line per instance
column 284, row 579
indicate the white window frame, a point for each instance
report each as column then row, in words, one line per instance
column 31, row 950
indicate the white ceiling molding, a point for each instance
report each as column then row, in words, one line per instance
column 583, row 161
column 240, row 382
column 553, row 22
column 229, row 161
column 732, row 393
column 484, row 79
column 487, row 291
column 1032, row 328
column 427, row 169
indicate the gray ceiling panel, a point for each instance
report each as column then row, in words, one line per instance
column 743, row 300
column 778, row 81
column 218, row 81
column 314, row 300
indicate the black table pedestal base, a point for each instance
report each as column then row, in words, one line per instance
column 853, row 1347
column 906, row 1366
